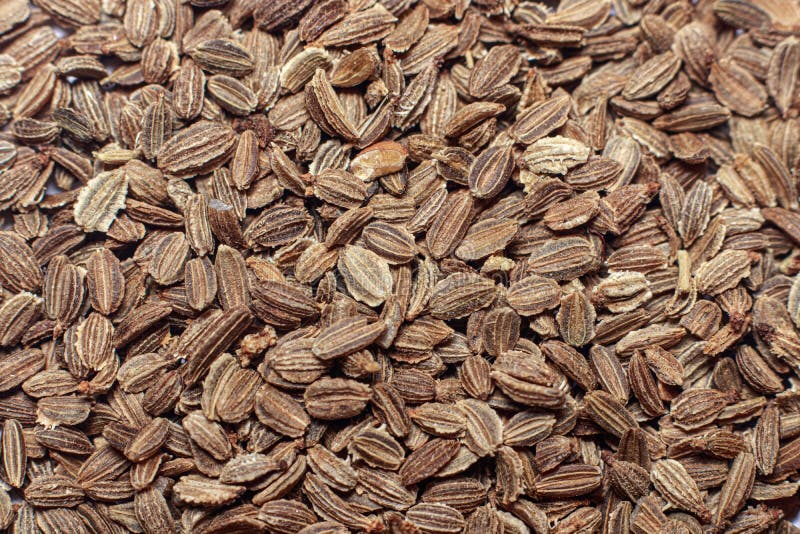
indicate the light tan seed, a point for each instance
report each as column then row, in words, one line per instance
column 673, row 482
column 365, row 274
column 201, row 491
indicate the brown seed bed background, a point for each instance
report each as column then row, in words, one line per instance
column 403, row 266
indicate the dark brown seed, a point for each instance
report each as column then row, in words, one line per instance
column 427, row 460
column 15, row 452
column 149, row 439
column 280, row 412
column 491, row 171
column 336, row 398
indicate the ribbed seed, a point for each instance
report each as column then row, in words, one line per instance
column 427, row 460
column 200, row 148
column 15, row 453
column 280, row 412
column 336, row 398
column 678, row 488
